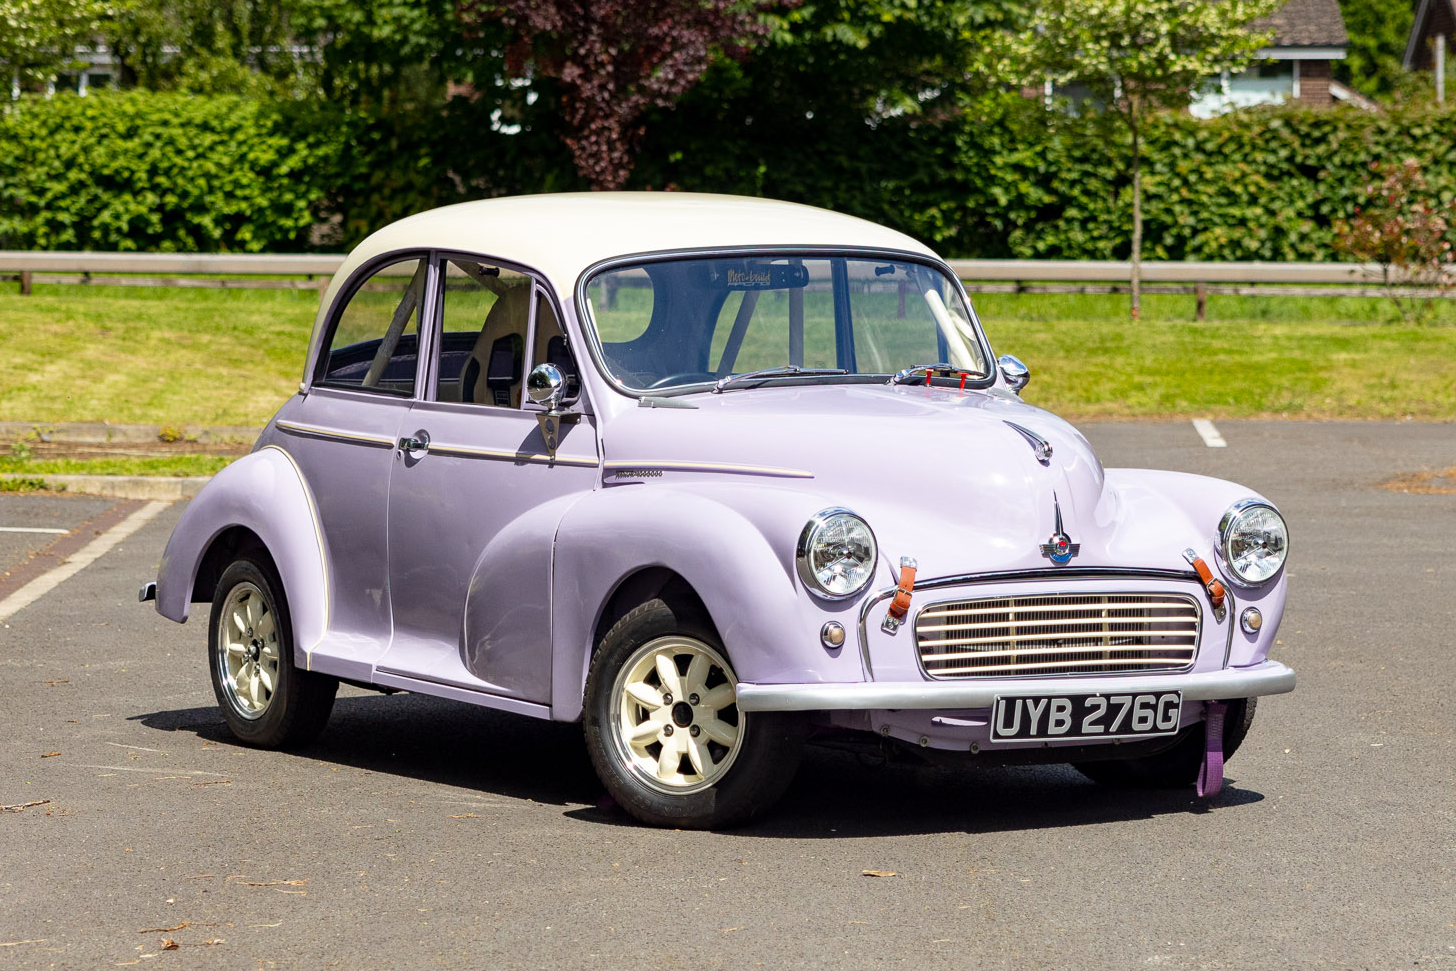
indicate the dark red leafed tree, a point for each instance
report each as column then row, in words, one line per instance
column 613, row 59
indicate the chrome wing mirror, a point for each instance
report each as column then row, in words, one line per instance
column 1017, row 374
column 546, row 386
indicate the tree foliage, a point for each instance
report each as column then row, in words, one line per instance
column 613, row 59
column 1404, row 228
column 1374, row 59
column 37, row 37
column 1132, row 57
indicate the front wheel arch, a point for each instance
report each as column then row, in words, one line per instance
column 233, row 543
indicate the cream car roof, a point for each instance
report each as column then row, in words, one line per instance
column 561, row 235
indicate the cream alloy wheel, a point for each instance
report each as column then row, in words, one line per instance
column 265, row 698
column 248, row 663
column 678, row 724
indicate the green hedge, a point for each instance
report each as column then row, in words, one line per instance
column 1005, row 178
column 162, row 172
column 1008, row 179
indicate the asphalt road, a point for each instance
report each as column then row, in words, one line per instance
column 421, row 833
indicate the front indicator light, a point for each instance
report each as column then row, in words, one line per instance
column 1251, row 620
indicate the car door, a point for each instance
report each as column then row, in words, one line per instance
column 476, row 495
column 342, row 436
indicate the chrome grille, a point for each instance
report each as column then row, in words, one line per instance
column 1058, row 634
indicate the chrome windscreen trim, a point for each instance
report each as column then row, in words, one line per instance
column 339, row 434
column 1266, row 678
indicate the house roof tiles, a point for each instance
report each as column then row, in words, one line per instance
column 1307, row 23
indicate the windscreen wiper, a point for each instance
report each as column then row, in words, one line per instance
column 774, row 372
column 900, row 377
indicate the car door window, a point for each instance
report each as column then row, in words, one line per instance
column 375, row 341
column 486, row 315
column 551, row 346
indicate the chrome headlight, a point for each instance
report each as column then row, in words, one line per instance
column 836, row 554
column 1253, row 540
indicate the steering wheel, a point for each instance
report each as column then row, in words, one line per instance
column 682, row 377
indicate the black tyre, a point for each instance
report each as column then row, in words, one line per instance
column 665, row 733
column 265, row 699
column 1178, row 766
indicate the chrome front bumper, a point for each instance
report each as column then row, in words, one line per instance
column 1267, row 678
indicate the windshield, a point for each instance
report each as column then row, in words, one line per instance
column 677, row 323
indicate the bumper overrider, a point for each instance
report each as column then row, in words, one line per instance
column 1265, row 678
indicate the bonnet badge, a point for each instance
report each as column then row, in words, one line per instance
column 1059, row 549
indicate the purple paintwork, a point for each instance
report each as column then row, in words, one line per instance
column 482, row 573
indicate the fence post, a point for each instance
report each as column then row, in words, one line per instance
column 25, row 283
column 1200, row 290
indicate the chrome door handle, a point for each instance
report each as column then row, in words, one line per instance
column 418, row 442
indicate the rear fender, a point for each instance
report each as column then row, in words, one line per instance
column 266, row 493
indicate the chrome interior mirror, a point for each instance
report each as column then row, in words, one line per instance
column 546, row 385
column 1017, row 375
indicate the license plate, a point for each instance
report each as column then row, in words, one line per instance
column 1067, row 718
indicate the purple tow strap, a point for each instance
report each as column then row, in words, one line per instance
column 1210, row 775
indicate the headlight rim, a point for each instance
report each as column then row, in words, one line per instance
column 806, row 570
column 1226, row 522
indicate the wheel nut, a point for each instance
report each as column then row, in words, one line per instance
column 667, row 698
column 692, row 699
column 695, row 731
column 667, row 729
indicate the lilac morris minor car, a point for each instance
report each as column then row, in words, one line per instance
column 709, row 474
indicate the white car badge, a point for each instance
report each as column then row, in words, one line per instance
column 1059, row 549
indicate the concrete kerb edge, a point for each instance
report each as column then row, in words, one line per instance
column 158, row 488
column 102, row 431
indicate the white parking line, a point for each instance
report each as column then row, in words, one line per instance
column 74, row 564
column 1209, row 433
column 33, row 529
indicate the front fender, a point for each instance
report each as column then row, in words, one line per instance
column 1151, row 496
column 265, row 493
column 743, row 572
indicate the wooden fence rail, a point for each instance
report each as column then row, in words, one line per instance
column 312, row 271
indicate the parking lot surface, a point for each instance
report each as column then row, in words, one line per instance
column 421, row 833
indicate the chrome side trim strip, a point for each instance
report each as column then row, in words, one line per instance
column 340, row 434
column 612, row 468
column 502, row 455
column 1267, row 678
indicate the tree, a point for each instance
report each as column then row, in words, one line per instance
column 613, row 59
column 1133, row 57
column 1405, row 228
column 1374, row 61
column 39, row 37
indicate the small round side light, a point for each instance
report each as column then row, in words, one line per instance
column 831, row 635
column 1251, row 620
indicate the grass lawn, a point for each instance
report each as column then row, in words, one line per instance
column 1294, row 357
column 230, row 357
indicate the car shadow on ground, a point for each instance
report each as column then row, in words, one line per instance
column 836, row 794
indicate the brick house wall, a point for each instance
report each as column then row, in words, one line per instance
column 1314, row 83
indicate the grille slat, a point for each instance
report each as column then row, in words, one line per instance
column 1058, row 634
column 939, row 611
